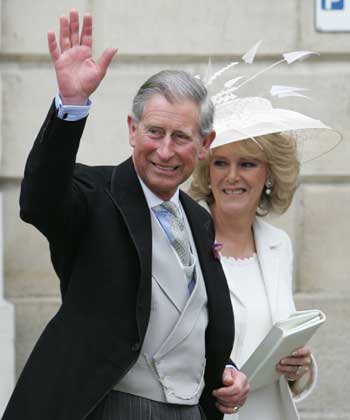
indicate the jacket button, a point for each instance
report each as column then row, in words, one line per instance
column 135, row 347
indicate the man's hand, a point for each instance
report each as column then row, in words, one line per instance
column 78, row 75
column 233, row 394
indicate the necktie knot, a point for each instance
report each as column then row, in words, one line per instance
column 170, row 207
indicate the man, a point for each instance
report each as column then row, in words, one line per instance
column 145, row 327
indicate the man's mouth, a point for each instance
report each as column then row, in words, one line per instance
column 166, row 168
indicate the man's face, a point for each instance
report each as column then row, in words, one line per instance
column 167, row 144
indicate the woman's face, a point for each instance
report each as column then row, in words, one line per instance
column 237, row 181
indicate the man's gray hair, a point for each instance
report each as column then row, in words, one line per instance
column 176, row 85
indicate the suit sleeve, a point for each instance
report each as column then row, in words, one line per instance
column 50, row 199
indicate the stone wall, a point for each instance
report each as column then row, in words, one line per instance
column 157, row 34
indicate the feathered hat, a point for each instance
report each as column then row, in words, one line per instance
column 238, row 118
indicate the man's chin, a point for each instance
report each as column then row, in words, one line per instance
column 163, row 190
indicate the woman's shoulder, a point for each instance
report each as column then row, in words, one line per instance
column 263, row 228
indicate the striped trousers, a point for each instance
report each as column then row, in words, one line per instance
column 120, row 406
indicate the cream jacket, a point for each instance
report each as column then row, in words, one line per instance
column 275, row 255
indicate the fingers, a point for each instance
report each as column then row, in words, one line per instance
column 293, row 373
column 302, row 352
column 53, row 48
column 105, row 59
column 299, row 357
column 74, row 27
column 231, row 405
column 69, row 30
column 234, row 392
column 296, row 361
column 228, row 375
column 65, row 42
column 86, row 32
column 296, row 365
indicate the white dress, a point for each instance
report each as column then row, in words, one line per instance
column 247, row 289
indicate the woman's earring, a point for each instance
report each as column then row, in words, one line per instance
column 268, row 186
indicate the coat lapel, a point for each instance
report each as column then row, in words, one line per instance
column 221, row 321
column 267, row 246
column 127, row 195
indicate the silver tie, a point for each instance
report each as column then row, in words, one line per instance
column 175, row 230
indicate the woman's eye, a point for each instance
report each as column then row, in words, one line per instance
column 248, row 164
column 219, row 163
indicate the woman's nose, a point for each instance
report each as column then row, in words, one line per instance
column 233, row 175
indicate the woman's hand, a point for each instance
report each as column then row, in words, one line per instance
column 296, row 365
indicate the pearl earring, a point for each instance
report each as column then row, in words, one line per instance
column 268, row 186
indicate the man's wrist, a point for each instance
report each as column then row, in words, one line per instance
column 71, row 112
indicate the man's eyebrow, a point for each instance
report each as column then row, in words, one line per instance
column 185, row 133
column 158, row 127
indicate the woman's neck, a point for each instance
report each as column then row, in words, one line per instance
column 235, row 232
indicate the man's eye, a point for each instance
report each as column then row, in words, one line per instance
column 181, row 136
column 156, row 132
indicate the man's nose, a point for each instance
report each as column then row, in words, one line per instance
column 165, row 150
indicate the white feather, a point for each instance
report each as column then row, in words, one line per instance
column 232, row 82
column 219, row 73
column 209, row 71
column 277, row 90
column 298, row 55
column 250, row 54
column 289, row 94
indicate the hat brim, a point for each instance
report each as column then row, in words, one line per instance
column 275, row 121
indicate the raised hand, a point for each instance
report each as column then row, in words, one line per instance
column 78, row 75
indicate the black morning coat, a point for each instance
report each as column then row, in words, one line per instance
column 97, row 222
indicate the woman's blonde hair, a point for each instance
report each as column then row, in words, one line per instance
column 279, row 152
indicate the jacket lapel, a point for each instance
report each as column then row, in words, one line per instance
column 127, row 195
column 221, row 321
column 267, row 246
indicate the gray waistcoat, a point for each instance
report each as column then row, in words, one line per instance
column 171, row 364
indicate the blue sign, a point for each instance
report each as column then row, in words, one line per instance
column 333, row 4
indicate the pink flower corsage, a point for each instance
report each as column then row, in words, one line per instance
column 216, row 249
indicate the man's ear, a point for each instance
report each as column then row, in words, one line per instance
column 132, row 130
column 207, row 141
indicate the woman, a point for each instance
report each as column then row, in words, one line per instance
column 240, row 181
column 253, row 170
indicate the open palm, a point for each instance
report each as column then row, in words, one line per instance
column 78, row 75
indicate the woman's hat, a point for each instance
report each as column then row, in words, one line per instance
column 238, row 118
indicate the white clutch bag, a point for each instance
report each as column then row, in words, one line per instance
column 284, row 337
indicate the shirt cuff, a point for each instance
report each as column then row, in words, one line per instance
column 71, row 112
column 231, row 366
